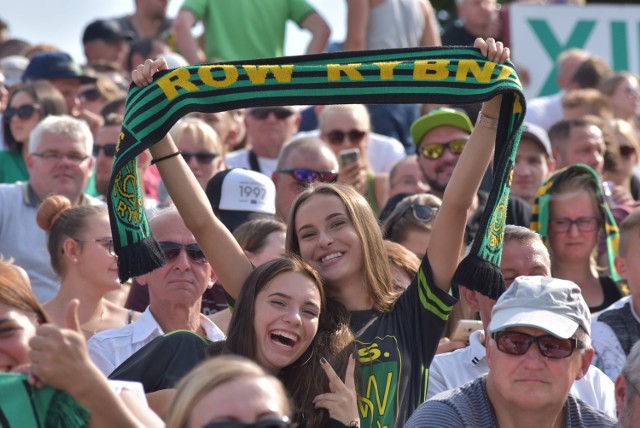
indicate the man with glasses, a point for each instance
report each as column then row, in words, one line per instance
column 523, row 254
column 59, row 163
column 539, row 345
column 268, row 129
column 440, row 137
column 175, row 293
column 628, row 390
column 301, row 162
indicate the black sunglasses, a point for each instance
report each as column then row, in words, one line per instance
column 337, row 137
column 626, row 151
column 421, row 212
column 304, row 175
column 24, row 112
column 435, row 151
column 515, row 343
column 263, row 112
column 92, row 94
column 283, row 422
column 172, row 250
column 108, row 149
column 203, row 158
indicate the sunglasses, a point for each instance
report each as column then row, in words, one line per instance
column 283, row 422
column 203, row 158
column 626, row 151
column 24, row 112
column 53, row 156
column 172, row 250
column 108, row 149
column 435, row 151
column 514, row 343
column 304, row 175
column 92, row 94
column 337, row 137
column 262, row 113
column 424, row 213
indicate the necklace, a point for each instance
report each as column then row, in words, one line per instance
column 96, row 325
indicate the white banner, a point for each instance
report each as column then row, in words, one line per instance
column 540, row 32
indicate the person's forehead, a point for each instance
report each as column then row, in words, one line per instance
column 341, row 117
column 531, row 146
column 170, row 227
column 442, row 135
column 107, row 135
column 312, row 160
column 50, row 141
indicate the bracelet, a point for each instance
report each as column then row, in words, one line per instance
column 487, row 121
column 155, row 161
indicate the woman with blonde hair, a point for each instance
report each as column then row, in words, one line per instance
column 81, row 250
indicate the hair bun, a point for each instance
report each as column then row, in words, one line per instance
column 50, row 211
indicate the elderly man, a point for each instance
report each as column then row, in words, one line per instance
column 524, row 253
column 628, row 390
column 301, row 162
column 59, row 163
column 539, row 345
column 175, row 293
column 268, row 129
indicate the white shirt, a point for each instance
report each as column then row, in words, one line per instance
column 240, row 159
column 545, row 111
column 110, row 348
column 610, row 357
column 456, row 368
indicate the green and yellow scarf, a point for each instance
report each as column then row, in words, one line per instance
column 420, row 75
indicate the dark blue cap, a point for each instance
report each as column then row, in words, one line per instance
column 54, row 65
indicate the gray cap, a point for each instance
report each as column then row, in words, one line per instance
column 12, row 67
column 553, row 305
column 538, row 135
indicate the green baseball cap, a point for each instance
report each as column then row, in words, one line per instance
column 439, row 117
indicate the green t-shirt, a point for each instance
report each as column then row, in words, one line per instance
column 246, row 29
column 12, row 167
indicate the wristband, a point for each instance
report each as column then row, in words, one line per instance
column 486, row 121
column 155, row 161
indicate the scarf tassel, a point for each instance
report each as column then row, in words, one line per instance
column 139, row 258
column 473, row 267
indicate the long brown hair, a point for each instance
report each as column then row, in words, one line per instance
column 375, row 264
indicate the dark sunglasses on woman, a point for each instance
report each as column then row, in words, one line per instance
column 203, row 158
column 24, row 112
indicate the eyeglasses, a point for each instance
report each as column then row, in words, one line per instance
column 262, row 113
column 283, row 422
column 106, row 243
column 51, row 156
column 337, row 137
column 108, row 149
column 24, row 112
column 584, row 224
column 172, row 250
column 304, row 175
column 435, row 151
column 424, row 213
column 203, row 158
column 92, row 94
column 626, row 151
column 515, row 343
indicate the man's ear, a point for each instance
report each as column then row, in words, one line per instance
column 621, row 266
column 586, row 358
column 471, row 298
column 620, row 390
column 142, row 280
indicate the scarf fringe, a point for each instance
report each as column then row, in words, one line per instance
column 137, row 259
column 473, row 269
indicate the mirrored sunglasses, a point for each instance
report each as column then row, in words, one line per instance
column 172, row 250
column 262, row 113
column 515, row 343
column 304, row 175
column 108, row 149
column 203, row 158
column 424, row 213
column 24, row 112
column 337, row 137
column 436, row 150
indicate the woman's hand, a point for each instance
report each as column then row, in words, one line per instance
column 143, row 74
column 342, row 401
column 494, row 51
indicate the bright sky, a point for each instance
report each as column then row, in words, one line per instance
column 61, row 22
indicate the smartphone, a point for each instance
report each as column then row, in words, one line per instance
column 348, row 156
column 464, row 328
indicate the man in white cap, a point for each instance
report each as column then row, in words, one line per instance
column 539, row 345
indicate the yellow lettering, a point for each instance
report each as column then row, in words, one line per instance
column 258, row 74
column 122, row 208
column 380, row 404
column 386, row 69
column 230, row 75
column 371, row 353
column 431, row 69
column 506, row 72
column 120, row 138
column 350, row 70
column 178, row 78
column 468, row 65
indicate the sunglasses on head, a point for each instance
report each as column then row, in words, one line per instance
column 305, row 175
column 108, row 149
column 337, row 137
column 283, row 422
column 515, row 343
column 203, row 158
column 264, row 112
column 92, row 94
column 172, row 250
column 424, row 213
column 23, row 112
column 435, row 151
